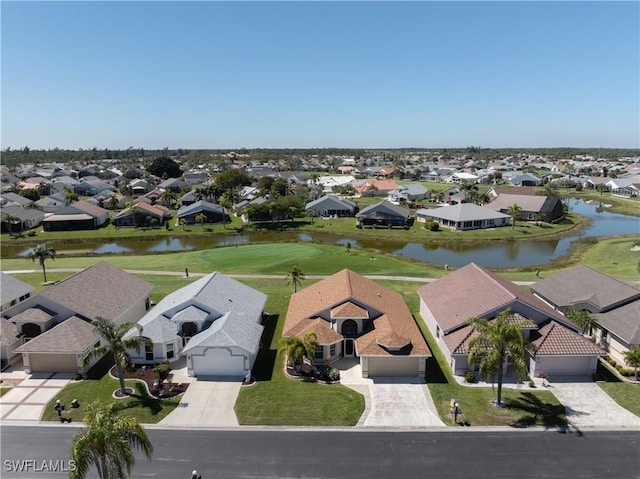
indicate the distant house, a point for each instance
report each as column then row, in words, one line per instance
column 330, row 205
column 195, row 177
column 188, row 198
column 375, row 187
column 615, row 305
column 55, row 325
column 173, row 184
column 464, row 216
column 526, row 179
column 214, row 213
column 13, row 199
column 140, row 215
column 80, row 215
column 139, row 187
column 461, row 178
column 624, row 187
column 24, row 218
column 353, row 316
column 407, row 193
column 530, row 206
column 51, row 204
column 214, row 322
column 511, row 190
column 472, row 291
column 384, row 214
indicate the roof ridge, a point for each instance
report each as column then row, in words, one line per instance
column 552, row 325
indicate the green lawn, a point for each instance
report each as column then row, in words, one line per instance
column 625, row 394
column 100, row 387
column 3, row 391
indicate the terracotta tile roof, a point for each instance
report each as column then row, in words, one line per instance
column 555, row 340
column 385, row 307
column 582, row 284
column 72, row 336
column 321, row 328
column 349, row 310
column 100, row 290
column 37, row 314
column 473, row 291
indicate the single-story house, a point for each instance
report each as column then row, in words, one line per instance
column 55, row 325
column 80, row 215
column 331, row 205
column 10, row 340
column 173, row 184
column 384, row 214
column 461, row 178
column 13, row 199
column 353, row 316
column 463, row 216
column 13, row 291
column 530, row 206
column 375, row 187
column 408, row 193
column 141, row 214
column 472, row 291
column 195, row 177
column 624, row 187
column 24, row 218
column 526, row 179
column 615, row 305
column 214, row 213
column 328, row 183
column 215, row 322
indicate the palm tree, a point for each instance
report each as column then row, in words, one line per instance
column 69, row 196
column 11, row 220
column 201, row 218
column 632, row 358
column 115, row 344
column 584, row 319
column 348, row 246
column 113, row 202
column 42, row 252
column 496, row 341
column 168, row 198
column 295, row 277
column 297, row 348
column 514, row 212
column 107, row 442
column 539, row 217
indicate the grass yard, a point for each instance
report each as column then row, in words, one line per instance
column 625, row 394
column 3, row 391
column 100, row 387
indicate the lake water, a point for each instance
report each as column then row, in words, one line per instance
column 519, row 253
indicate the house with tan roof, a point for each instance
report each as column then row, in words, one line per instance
column 472, row 291
column 615, row 305
column 353, row 316
column 54, row 326
column 530, row 206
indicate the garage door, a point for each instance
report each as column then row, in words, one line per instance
column 218, row 362
column 393, row 366
column 53, row 363
column 565, row 365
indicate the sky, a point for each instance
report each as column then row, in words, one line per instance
column 230, row 75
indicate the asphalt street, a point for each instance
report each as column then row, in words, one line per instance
column 313, row 454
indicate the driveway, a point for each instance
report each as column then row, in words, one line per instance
column 206, row 404
column 588, row 405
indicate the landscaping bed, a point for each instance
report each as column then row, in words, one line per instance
column 158, row 388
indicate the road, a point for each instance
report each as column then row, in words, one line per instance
column 348, row 454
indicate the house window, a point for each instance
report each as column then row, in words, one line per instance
column 437, row 331
column 332, row 350
column 319, row 354
column 148, row 352
column 147, row 303
column 13, row 302
column 169, row 350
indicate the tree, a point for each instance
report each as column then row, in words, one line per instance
column 42, row 253
column 348, row 247
column 498, row 340
column 295, row 277
column 514, row 212
column 584, row 319
column 539, row 218
column 165, row 167
column 632, row 358
column 113, row 202
column 107, row 442
column 297, row 348
column 168, row 198
column 201, row 218
column 11, row 220
column 114, row 343
column 551, row 189
column 69, row 196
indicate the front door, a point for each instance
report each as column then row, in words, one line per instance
column 348, row 348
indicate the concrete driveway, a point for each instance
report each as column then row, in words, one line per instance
column 206, row 404
column 586, row 404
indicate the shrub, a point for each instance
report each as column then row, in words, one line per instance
column 470, row 377
column 77, row 377
column 163, row 370
column 31, row 233
column 532, row 384
column 626, row 372
column 433, row 226
column 333, row 374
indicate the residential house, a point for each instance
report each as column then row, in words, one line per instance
column 463, row 216
column 13, row 199
column 52, row 203
column 328, row 183
column 526, row 179
column 511, row 190
column 195, row 177
column 331, row 206
column 624, row 187
column 187, row 199
column 13, row 291
column 595, row 182
column 173, row 184
column 55, row 325
column 139, row 187
column 615, row 305
column 448, row 303
column 550, row 207
column 384, row 214
column 375, row 187
column 408, row 193
column 214, row 213
column 461, row 178
column 142, row 215
column 352, row 316
column 10, row 340
column 79, row 215
column 215, row 322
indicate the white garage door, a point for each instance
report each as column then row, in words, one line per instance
column 53, row 363
column 218, row 362
column 393, row 366
column 565, row 366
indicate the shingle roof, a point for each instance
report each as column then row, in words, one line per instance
column 229, row 330
column 624, row 322
column 582, row 284
column 525, row 202
column 553, row 340
column 72, row 336
column 473, row 291
column 100, row 290
column 383, row 210
column 333, row 202
column 37, row 314
column 461, row 212
column 12, row 288
column 8, row 331
column 387, row 308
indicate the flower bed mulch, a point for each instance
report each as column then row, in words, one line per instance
column 154, row 386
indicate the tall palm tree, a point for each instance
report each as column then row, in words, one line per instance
column 584, row 319
column 108, row 442
column 113, row 202
column 297, row 348
column 69, row 196
column 42, row 253
column 632, row 358
column 295, row 277
column 514, row 212
column 498, row 340
column 114, row 342
column 168, row 198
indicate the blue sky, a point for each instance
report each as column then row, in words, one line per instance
column 320, row 74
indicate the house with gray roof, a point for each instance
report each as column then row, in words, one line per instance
column 23, row 218
column 615, row 305
column 472, row 291
column 408, row 193
column 463, row 216
column 331, row 206
column 13, row 291
column 48, row 342
column 80, row 215
column 526, row 179
column 530, row 206
column 214, row 213
column 384, row 214
column 214, row 322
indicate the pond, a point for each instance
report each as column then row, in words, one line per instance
column 520, row 253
